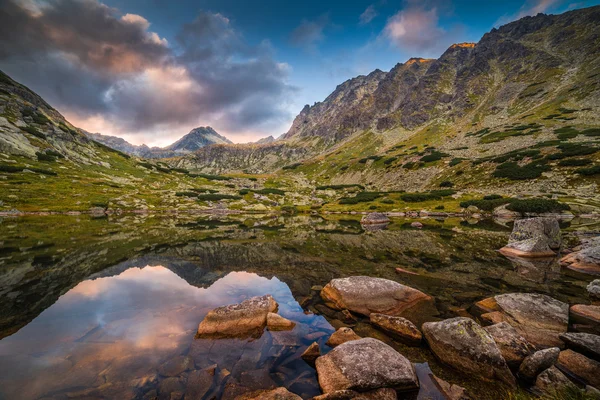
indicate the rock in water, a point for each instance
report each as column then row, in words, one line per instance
column 341, row 336
column 245, row 319
column 276, row 322
column 580, row 366
column 311, row 354
column 375, row 218
column 398, row 327
column 463, row 344
column 584, row 343
column 365, row 295
column 538, row 362
column 586, row 260
column 533, row 237
column 275, row 394
column 363, row 365
column 513, row 347
column 538, row 318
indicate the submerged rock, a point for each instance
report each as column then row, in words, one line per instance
column 398, row 327
column 311, row 354
column 538, row 318
column 365, row 295
column 580, row 366
column 463, row 344
column 275, row 394
column 374, row 218
column 513, row 347
column 245, row 319
column 584, row 343
column 364, row 365
column 276, row 322
column 176, row 366
column 533, row 237
column 538, row 362
column 449, row 390
column 586, row 260
column 342, row 335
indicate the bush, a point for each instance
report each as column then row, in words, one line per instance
column 45, row 157
column 180, row 170
column 513, row 171
column 387, row 201
column 374, row 158
column 492, row 197
column 390, row 160
column 571, row 150
column 211, row 177
column 446, row 184
column 217, row 197
column 373, row 207
column 362, row 197
column 591, row 132
column 186, row 194
column 537, row 205
column 575, row 162
column 338, row 187
column 595, row 170
column 99, row 203
column 433, row 156
column 10, row 168
column 33, row 131
column 292, row 166
column 409, row 165
column 262, row 191
column 455, row 161
column 289, row 209
column 440, row 207
column 432, row 195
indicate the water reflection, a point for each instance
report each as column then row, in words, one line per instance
column 109, row 336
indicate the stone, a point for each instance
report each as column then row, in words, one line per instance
column 199, row 383
column 513, row 347
column 176, row 366
column 533, row 237
column 586, row 315
column 592, row 392
column 170, row 385
column 246, row 319
column 280, row 393
column 276, row 322
column 397, row 327
column 311, row 353
column 538, row 362
column 463, row 344
column 552, row 380
column 586, row 260
column 342, row 335
column 580, row 366
column 537, row 317
column 378, row 394
column 584, row 343
column 449, row 390
column 365, row 295
column 363, row 365
column 374, row 218
column 416, row 224
column 593, row 289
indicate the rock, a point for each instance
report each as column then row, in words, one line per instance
column 365, row 295
column 450, row 391
column 593, row 289
column 170, row 385
column 379, row 394
column 472, row 209
column 248, row 318
column 580, row 366
column 463, row 344
column 513, row 347
column 275, row 394
column 276, row 322
column 416, row 224
column 342, row 335
column 176, row 366
column 538, row 318
column 363, row 365
column 374, row 218
column 533, row 237
column 538, row 362
column 586, row 260
column 398, row 327
column 552, row 380
column 311, row 353
column 586, row 315
column 584, row 343
column 199, row 383
column 592, row 392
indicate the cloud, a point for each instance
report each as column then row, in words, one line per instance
column 309, row 33
column 110, row 71
column 529, row 8
column 368, row 15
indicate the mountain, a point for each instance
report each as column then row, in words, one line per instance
column 509, row 91
column 265, row 140
column 196, row 139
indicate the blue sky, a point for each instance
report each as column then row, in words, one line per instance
column 245, row 68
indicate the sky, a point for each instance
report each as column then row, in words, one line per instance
column 149, row 71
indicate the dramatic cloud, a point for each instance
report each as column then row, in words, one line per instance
column 368, row 15
column 529, row 8
column 110, row 72
column 309, row 33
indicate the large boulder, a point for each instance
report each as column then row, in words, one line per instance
column 533, row 237
column 374, row 218
column 397, row 327
column 538, row 362
column 363, row 365
column 245, row 319
column 584, row 343
column 586, row 260
column 463, row 344
column 365, row 295
column 538, row 318
column 513, row 347
column 552, row 381
column 579, row 366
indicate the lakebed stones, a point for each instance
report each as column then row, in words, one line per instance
column 363, row 365
column 586, row 261
column 538, row 362
column 341, row 336
column 513, row 347
column 538, row 318
column 276, row 322
column 397, row 327
column 275, row 394
column 580, row 366
column 375, row 218
column 245, row 319
column 533, row 237
column 584, row 343
column 365, row 295
column 463, row 344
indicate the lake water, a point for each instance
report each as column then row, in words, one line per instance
column 108, row 308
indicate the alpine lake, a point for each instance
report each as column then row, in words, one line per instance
column 94, row 308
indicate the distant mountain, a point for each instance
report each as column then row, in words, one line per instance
column 265, row 140
column 196, row 139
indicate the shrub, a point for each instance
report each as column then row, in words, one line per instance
column 390, row 160
column 292, row 166
column 99, row 203
column 180, row 170
column 571, row 150
column 513, row 171
column 591, row 132
column 455, row 161
column 595, row 170
column 54, row 153
column 262, row 191
column 217, row 197
column 186, row 194
column 433, row 156
column 337, row 187
column 446, row 184
column 374, row 158
column 289, row 209
column 537, row 205
column 33, row 131
column 575, row 162
column 425, row 196
column 492, row 197
column 10, row 168
column 362, row 197
column 373, row 207
column 409, row 165
column 387, row 201
column 45, row 157
column 440, row 207
column 211, row 177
